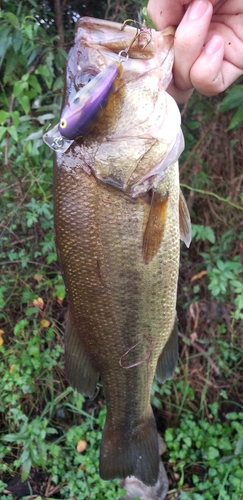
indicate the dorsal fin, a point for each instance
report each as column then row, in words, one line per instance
column 184, row 221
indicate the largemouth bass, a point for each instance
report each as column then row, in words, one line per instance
column 119, row 216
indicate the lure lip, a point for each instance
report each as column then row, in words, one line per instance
column 78, row 117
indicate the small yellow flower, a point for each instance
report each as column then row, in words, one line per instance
column 45, row 323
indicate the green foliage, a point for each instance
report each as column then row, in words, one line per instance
column 225, row 276
column 217, row 447
column 200, row 232
column 232, row 100
column 26, row 386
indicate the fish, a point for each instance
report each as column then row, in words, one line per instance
column 119, row 216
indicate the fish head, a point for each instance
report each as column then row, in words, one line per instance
column 116, row 106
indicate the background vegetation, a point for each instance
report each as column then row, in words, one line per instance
column 49, row 435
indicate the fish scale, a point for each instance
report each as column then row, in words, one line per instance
column 117, row 237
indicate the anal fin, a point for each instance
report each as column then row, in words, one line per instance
column 80, row 373
column 168, row 358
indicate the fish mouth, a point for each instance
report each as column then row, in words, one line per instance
column 118, row 37
column 99, row 43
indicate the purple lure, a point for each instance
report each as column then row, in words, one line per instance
column 78, row 116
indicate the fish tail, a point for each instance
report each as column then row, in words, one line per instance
column 134, row 453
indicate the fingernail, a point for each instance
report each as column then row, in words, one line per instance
column 197, row 9
column 213, row 45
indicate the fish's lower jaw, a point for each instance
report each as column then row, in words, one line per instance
column 134, row 453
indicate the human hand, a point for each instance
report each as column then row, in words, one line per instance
column 208, row 43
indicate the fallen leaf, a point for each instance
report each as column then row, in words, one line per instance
column 199, row 275
column 38, row 277
column 81, row 446
column 193, row 337
column 39, row 302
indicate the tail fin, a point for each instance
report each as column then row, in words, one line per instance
column 131, row 453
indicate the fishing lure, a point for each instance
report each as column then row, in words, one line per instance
column 78, row 115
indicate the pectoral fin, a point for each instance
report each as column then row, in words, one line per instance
column 168, row 359
column 155, row 227
column 79, row 370
column 184, row 221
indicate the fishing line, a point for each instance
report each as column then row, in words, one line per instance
column 146, row 356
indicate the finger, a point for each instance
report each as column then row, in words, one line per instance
column 189, row 40
column 165, row 13
column 211, row 74
column 180, row 96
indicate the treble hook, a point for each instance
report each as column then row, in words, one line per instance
column 141, row 28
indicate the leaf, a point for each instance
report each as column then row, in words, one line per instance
column 239, row 446
column 199, row 275
column 58, row 83
column 233, row 99
column 15, row 118
column 3, row 130
column 32, row 2
column 46, row 117
column 35, row 135
column 221, row 265
column 33, row 81
column 10, row 66
column 52, row 257
column 13, row 132
column 26, row 466
column 237, row 119
column 5, row 41
column 3, row 116
column 212, row 453
column 19, row 87
column 188, row 441
column 33, row 55
column 44, row 71
column 12, row 19
column 25, row 103
column 17, row 40
column 24, row 455
column 29, row 31
column 10, row 438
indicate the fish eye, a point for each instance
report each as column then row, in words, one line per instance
column 63, row 123
column 83, row 77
